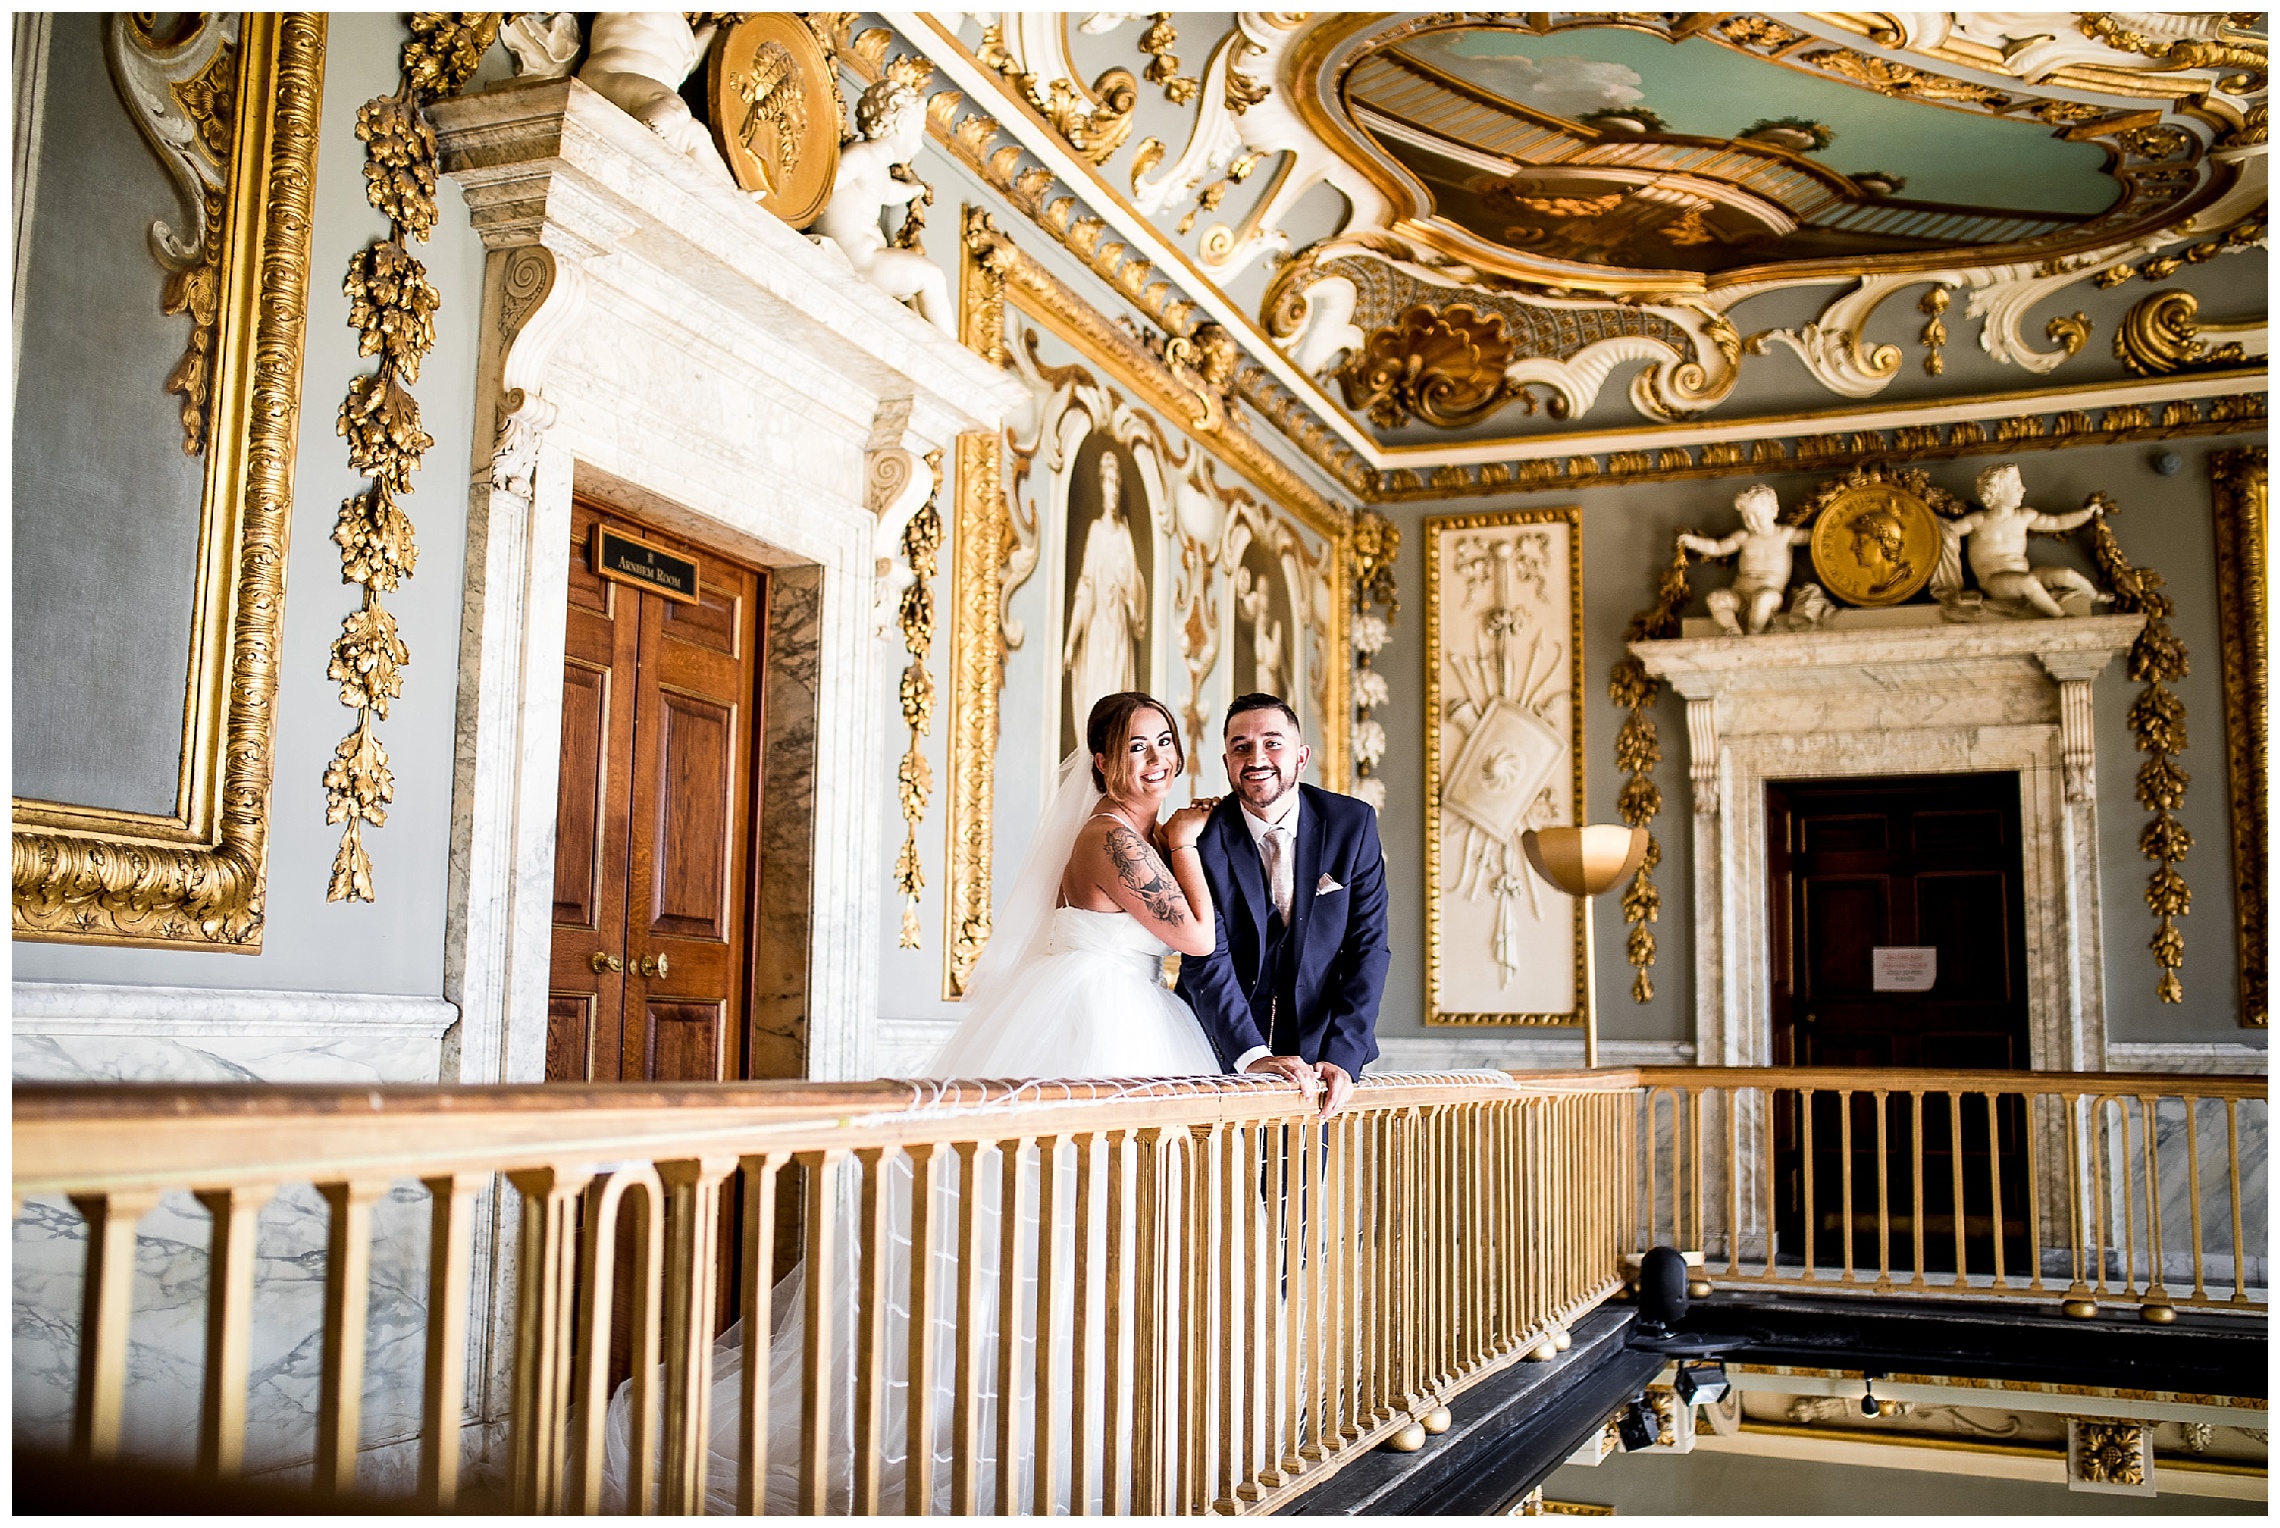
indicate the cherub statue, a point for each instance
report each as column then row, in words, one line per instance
column 890, row 122
column 638, row 59
column 1763, row 572
column 1997, row 536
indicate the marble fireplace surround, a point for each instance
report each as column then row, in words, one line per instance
column 653, row 339
column 2011, row 696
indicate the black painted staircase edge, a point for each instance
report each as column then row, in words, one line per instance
column 1506, row 1436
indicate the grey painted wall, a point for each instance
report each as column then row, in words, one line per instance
column 1707, row 1484
column 105, row 500
column 396, row 944
column 2165, row 523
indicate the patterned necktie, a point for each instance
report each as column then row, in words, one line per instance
column 1276, row 846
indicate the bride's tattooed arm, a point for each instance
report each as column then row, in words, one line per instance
column 1144, row 876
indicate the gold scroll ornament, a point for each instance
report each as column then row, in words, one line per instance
column 776, row 113
column 1875, row 544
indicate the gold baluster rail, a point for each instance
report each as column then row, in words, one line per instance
column 2090, row 1188
column 1170, row 1295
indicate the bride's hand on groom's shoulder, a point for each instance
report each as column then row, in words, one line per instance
column 1183, row 827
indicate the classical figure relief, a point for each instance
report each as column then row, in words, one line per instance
column 1255, row 600
column 1762, row 575
column 875, row 175
column 1106, row 625
column 1994, row 539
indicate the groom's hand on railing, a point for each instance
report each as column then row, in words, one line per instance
column 1337, row 1087
column 1289, row 1069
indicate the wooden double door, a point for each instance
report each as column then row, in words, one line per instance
column 1908, row 864
column 654, row 844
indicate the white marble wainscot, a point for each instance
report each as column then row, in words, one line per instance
column 2206, row 1058
column 73, row 1032
column 1937, row 698
column 903, row 1047
column 652, row 338
column 2183, row 1201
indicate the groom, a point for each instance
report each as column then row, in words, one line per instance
column 1299, row 882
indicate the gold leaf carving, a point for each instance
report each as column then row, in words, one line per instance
column 1637, row 751
column 392, row 307
column 2157, row 724
column 2162, row 334
column 1163, row 64
column 914, row 778
column 2243, row 630
column 2109, row 1453
column 445, row 49
column 1445, row 367
column 1896, row 79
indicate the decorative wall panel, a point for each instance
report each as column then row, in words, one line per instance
column 1503, row 754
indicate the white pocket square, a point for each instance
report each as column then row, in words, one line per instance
column 1325, row 886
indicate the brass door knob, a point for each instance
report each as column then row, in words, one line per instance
column 1812, row 1018
column 604, row 964
column 654, row 965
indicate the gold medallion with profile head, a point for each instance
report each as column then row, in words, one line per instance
column 1875, row 544
column 776, row 113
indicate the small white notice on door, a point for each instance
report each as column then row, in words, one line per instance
column 1904, row 967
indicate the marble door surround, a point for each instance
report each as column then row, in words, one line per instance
column 1928, row 699
column 654, row 339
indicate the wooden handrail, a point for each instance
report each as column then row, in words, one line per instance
column 1263, row 1297
column 83, row 1137
column 2041, row 1186
column 1905, row 1079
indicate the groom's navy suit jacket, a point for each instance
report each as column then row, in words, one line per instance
column 1311, row 990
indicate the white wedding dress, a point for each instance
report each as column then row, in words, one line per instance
column 1062, row 992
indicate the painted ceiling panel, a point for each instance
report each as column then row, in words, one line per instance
column 1457, row 240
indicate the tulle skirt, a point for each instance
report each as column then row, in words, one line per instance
column 1093, row 1006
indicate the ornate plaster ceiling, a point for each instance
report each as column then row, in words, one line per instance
column 1481, row 224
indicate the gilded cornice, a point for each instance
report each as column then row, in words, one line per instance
column 2191, row 159
column 1172, row 391
column 2024, row 422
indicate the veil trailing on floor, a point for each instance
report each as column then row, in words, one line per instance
column 1020, row 940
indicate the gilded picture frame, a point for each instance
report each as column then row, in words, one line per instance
column 195, row 878
column 1492, row 717
column 2237, row 480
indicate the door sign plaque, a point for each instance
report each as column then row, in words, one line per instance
column 628, row 560
column 1903, row 967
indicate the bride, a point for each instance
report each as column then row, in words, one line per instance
column 1070, row 987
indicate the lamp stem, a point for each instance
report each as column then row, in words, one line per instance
column 1590, row 992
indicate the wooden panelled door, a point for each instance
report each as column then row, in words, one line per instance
column 1912, row 863
column 653, row 854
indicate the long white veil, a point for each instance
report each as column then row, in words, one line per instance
column 1023, row 920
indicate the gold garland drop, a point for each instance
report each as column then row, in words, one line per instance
column 1376, row 543
column 2157, row 723
column 392, row 307
column 1638, row 749
column 914, row 778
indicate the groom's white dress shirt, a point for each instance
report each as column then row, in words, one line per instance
column 1284, row 822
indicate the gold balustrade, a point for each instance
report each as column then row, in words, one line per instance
column 1226, row 1299
column 2075, row 1188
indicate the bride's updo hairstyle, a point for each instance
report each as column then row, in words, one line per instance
column 1111, row 721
